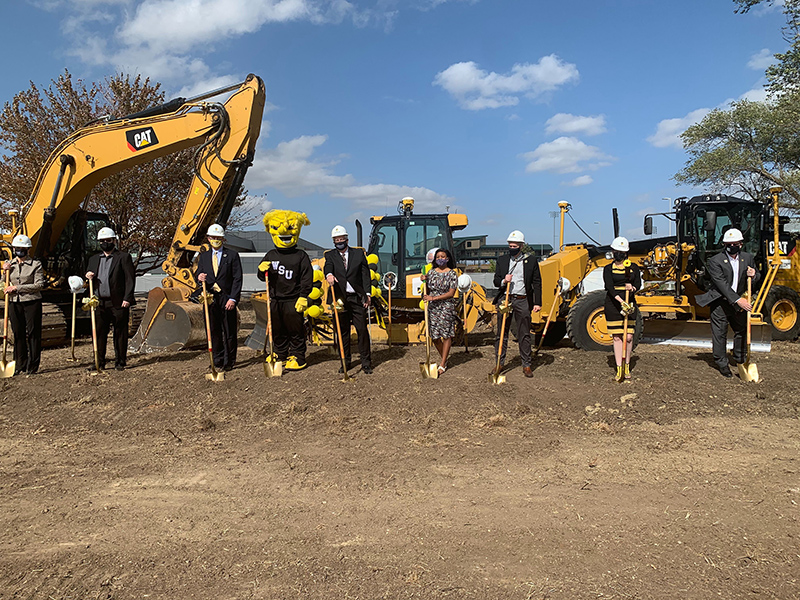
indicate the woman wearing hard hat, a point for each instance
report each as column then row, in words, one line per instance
column 25, row 305
column 622, row 278
column 441, row 282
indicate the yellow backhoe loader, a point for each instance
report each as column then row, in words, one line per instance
column 63, row 235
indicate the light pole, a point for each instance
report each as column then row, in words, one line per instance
column 553, row 215
column 669, row 221
column 599, row 233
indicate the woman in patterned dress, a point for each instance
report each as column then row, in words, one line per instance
column 619, row 276
column 441, row 282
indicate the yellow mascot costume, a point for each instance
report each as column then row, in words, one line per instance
column 291, row 280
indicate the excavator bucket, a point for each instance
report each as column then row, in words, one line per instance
column 697, row 334
column 170, row 322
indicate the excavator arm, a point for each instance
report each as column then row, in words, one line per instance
column 225, row 135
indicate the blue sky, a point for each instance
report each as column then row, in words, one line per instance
column 495, row 108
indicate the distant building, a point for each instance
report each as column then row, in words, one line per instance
column 473, row 253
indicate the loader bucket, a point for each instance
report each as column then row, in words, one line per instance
column 697, row 334
column 170, row 322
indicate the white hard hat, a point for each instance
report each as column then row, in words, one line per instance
column 516, row 236
column 21, row 241
column 620, row 244
column 216, row 231
column 732, row 235
column 338, row 231
column 431, row 254
column 464, row 282
column 75, row 284
column 106, row 233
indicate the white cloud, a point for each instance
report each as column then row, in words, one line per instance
column 579, row 181
column 761, row 60
column 291, row 169
column 668, row 131
column 758, row 94
column 566, row 155
column 476, row 89
column 574, row 124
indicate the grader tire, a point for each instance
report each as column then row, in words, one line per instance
column 782, row 311
column 586, row 323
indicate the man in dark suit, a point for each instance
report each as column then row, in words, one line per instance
column 115, row 281
column 521, row 272
column 728, row 272
column 221, row 269
column 348, row 273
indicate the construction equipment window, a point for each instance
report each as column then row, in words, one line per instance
column 742, row 217
column 384, row 244
column 421, row 237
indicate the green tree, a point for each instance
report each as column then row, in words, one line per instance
column 747, row 149
column 143, row 202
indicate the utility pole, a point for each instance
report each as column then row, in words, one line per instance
column 669, row 210
column 553, row 215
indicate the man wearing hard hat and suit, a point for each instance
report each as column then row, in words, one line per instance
column 521, row 272
column 348, row 273
column 728, row 272
column 115, row 281
column 221, row 269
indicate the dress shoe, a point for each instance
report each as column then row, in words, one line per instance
column 527, row 371
column 366, row 370
column 725, row 372
column 119, row 367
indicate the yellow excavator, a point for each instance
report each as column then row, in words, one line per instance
column 63, row 234
column 674, row 273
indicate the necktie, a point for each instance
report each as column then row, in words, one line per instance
column 215, row 266
column 344, row 259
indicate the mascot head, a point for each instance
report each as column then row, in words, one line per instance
column 284, row 226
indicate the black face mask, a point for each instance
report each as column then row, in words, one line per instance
column 514, row 251
column 107, row 246
column 620, row 256
column 733, row 249
column 21, row 252
column 340, row 246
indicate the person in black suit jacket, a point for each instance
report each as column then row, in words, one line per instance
column 521, row 272
column 115, row 281
column 728, row 307
column 348, row 273
column 221, row 269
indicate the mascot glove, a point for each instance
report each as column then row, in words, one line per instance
column 301, row 305
column 263, row 266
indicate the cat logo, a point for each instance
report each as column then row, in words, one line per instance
column 141, row 138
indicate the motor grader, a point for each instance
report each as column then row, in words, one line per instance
column 674, row 273
column 64, row 235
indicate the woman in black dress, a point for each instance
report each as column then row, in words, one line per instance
column 441, row 282
column 621, row 276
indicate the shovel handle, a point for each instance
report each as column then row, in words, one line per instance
column 625, row 329
column 502, row 331
column 338, row 332
column 94, row 327
column 5, row 317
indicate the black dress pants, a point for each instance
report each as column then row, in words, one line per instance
column 108, row 317
column 26, row 323
column 723, row 313
column 354, row 314
column 223, row 333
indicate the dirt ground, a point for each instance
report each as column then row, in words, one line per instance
column 155, row 483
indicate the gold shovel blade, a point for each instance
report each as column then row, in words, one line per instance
column 429, row 370
column 7, row 369
column 497, row 378
column 749, row 372
column 272, row 367
column 215, row 376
